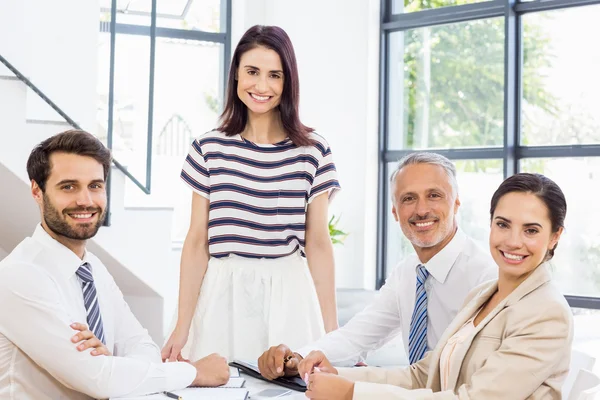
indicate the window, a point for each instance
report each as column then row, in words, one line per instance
column 446, row 86
column 161, row 85
column 497, row 88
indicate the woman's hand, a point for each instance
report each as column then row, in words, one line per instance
column 315, row 359
column 172, row 350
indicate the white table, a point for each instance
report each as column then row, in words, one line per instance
column 253, row 386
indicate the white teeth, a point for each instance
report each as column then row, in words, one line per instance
column 82, row 216
column 513, row 256
column 423, row 224
column 259, row 98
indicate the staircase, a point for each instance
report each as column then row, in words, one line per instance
column 136, row 248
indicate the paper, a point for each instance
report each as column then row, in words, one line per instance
column 200, row 394
column 234, row 382
column 212, row 394
column 234, row 372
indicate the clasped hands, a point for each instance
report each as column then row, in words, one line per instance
column 211, row 370
column 322, row 379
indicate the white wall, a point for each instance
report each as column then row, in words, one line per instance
column 337, row 47
column 54, row 44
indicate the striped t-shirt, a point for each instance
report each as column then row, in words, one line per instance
column 258, row 193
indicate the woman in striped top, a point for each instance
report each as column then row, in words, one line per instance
column 257, row 265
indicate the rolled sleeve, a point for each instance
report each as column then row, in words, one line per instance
column 195, row 172
column 326, row 179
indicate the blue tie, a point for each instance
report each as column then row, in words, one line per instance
column 90, row 298
column 417, row 336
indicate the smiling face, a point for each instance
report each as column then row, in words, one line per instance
column 74, row 203
column 425, row 205
column 521, row 234
column 260, row 80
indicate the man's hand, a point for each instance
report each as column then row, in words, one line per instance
column 211, row 371
column 323, row 386
column 88, row 340
column 278, row 361
column 315, row 359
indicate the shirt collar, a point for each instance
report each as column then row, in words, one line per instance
column 440, row 265
column 65, row 260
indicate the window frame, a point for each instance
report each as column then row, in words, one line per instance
column 512, row 151
column 116, row 29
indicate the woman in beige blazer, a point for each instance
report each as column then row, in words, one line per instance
column 512, row 339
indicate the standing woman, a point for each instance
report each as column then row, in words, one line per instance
column 257, row 265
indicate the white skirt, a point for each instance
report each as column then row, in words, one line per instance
column 247, row 305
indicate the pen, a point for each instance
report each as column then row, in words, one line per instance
column 172, row 395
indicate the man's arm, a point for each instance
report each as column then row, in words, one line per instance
column 131, row 338
column 42, row 331
column 366, row 331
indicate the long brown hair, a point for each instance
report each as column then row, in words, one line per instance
column 235, row 116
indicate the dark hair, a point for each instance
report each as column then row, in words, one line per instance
column 542, row 187
column 235, row 115
column 73, row 142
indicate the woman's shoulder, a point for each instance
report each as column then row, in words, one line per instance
column 213, row 134
column 544, row 304
column 319, row 143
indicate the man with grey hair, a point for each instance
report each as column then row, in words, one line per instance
column 424, row 292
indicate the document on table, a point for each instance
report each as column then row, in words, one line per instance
column 220, row 393
column 235, row 382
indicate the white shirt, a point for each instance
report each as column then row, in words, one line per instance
column 41, row 296
column 453, row 272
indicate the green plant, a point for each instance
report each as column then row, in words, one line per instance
column 337, row 235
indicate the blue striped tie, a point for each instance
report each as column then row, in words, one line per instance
column 90, row 298
column 417, row 336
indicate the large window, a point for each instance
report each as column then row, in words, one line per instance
column 162, row 70
column 499, row 87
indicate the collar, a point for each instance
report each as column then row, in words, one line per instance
column 440, row 265
column 538, row 277
column 65, row 260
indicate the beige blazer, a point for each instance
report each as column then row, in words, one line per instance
column 520, row 350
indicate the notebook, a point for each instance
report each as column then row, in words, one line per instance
column 290, row 382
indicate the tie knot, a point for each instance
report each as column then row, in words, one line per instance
column 422, row 274
column 84, row 272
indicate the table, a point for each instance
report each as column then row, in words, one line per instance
column 253, row 386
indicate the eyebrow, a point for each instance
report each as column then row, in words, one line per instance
column 273, row 70
column 433, row 189
column 73, row 181
column 527, row 224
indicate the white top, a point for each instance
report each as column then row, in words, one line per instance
column 41, row 296
column 453, row 272
column 453, row 347
column 258, row 193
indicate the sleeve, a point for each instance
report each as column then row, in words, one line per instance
column 379, row 322
column 325, row 180
column 43, row 333
column 195, row 172
column 528, row 356
column 131, row 338
column 370, row 379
